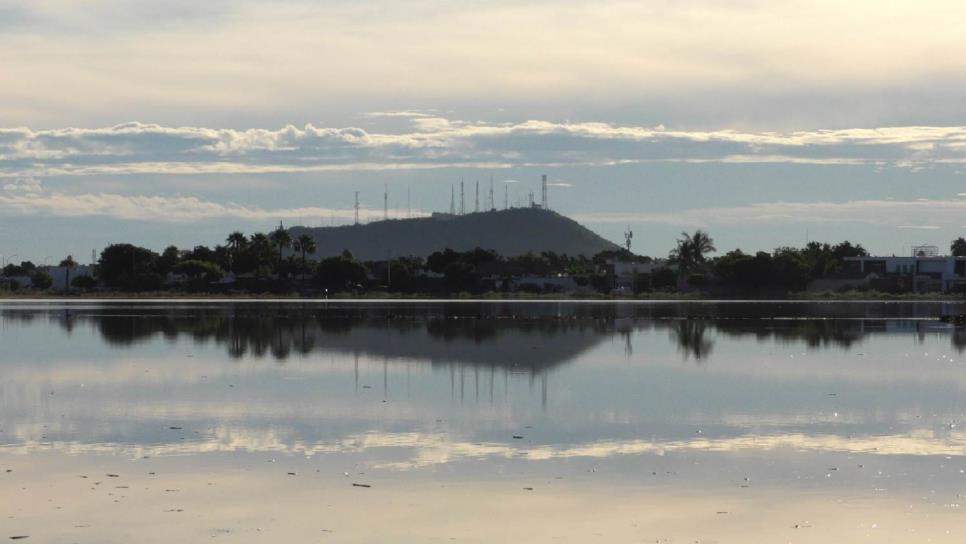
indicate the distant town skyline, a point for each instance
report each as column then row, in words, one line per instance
column 767, row 125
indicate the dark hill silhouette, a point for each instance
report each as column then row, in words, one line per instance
column 509, row 232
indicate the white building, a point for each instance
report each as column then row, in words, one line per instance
column 59, row 275
column 921, row 273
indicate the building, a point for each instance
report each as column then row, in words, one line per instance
column 59, row 275
column 924, row 271
column 622, row 274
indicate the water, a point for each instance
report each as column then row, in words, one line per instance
column 481, row 422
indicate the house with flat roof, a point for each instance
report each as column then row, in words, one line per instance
column 924, row 271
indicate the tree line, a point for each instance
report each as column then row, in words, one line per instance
column 277, row 263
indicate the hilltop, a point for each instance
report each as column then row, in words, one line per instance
column 511, row 232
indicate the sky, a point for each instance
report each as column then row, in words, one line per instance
column 765, row 123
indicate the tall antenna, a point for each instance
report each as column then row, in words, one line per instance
column 506, row 196
column 385, row 203
column 357, row 207
column 492, row 202
column 409, row 203
column 476, row 206
column 462, row 198
column 452, row 200
column 543, row 199
column 628, row 236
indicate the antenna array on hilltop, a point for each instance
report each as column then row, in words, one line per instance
column 489, row 203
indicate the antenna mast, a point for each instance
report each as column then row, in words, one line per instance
column 385, row 203
column 543, row 199
column 492, row 201
column 476, row 205
column 462, row 198
column 506, row 196
column 452, row 200
column 357, row 207
column 628, row 236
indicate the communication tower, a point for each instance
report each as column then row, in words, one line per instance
column 543, row 197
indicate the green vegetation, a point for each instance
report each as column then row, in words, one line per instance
column 279, row 264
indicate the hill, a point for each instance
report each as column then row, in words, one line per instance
column 510, row 232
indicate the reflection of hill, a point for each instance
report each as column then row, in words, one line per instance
column 513, row 341
column 523, row 336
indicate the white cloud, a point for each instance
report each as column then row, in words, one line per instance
column 436, row 142
column 186, row 59
column 177, row 209
column 914, row 214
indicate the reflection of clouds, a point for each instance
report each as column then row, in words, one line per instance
column 430, row 449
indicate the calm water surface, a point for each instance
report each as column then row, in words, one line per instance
column 482, row 422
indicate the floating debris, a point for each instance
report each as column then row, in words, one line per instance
column 360, row 485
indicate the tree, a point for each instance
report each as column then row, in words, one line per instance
column 201, row 272
column 282, row 240
column 129, row 267
column 84, row 283
column 41, row 280
column 69, row 264
column 304, row 244
column 340, row 273
column 690, row 252
column 169, row 259
column 958, row 247
column 237, row 241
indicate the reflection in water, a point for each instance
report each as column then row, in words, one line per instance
column 411, row 396
column 522, row 338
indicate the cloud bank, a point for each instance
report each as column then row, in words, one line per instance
column 924, row 214
column 433, row 142
column 30, row 198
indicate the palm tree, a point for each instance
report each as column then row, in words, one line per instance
column 68, row 264
column 958, row 247
column 237, row 240
column 690, row 252
column 236, row 243
column 280, row 238
column 304, row 244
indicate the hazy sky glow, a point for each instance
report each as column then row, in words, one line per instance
column 183, row 120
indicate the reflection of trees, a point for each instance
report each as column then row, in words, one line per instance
column 692, row 338
column 527, row 337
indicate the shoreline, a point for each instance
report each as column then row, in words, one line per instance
column 389, row 298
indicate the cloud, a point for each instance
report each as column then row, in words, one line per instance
column 906, row 214
column 185, row 59
column 435, row 142
column 404, row 114
column 32, row 199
